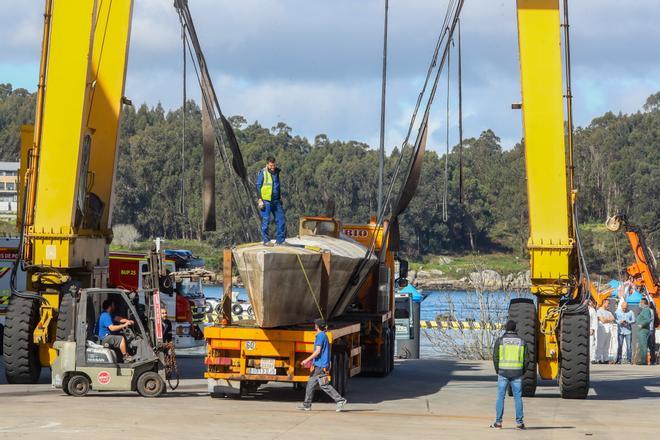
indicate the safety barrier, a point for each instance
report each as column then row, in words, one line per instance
column 460, row 325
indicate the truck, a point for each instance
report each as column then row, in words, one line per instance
column 182, row 297
column 241, row 356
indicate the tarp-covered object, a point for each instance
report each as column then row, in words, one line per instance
column 279, row 288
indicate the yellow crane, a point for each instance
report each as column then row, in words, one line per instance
column 68, row 167
column 556, row 329
column 68, row 163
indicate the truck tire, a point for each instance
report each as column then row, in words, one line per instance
column 150, row 384
column 523, row 312
column 574, row 356
column 21, row 355
column 347, row 378
column 65, row 318
column 393, row 348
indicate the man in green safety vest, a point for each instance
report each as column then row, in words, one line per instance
column 509, row 355
column 270, row 202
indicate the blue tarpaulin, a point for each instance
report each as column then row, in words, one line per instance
column 410, row 289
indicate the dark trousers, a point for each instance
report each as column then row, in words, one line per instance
column 319, row 377
column 628, row 339
column 651, row 344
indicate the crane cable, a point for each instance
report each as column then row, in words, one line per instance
column 453, row 6
column 246, row 210
column 447, row 130
column 460, row 117
column 183, row 120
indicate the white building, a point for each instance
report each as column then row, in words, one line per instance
column 8, row 190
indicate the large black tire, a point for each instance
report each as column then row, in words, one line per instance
column 20, row 353
column 523, row 312
column 574, row 356
column 65, row 318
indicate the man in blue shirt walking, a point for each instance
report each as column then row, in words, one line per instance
column 320, row 373
column 624, row 318
column 270, row 202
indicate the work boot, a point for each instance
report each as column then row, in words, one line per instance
column 303, row 408
column 268, row 244
column 341, row 404
column 520, row 426
column 497, row 425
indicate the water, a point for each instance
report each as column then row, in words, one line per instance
column 460, row 305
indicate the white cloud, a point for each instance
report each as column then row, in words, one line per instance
column 316, row 64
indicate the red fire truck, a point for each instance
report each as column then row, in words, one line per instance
column 182, row 297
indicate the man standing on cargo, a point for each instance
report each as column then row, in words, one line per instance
column 270, row 202
column 320, row 374
column 509, row 356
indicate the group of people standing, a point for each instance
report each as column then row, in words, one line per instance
column 609, row 330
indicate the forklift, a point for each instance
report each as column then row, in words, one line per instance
column 84, row 363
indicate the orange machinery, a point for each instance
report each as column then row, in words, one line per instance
column 643, row 270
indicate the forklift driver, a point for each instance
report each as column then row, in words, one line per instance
column 109, row 327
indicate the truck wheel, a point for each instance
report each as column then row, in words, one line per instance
column 347, row 374
column 574, row 356
column 392, row 348
column 386, row 354
column 21, row 354
column 523, row 312
column 150, row 384
column 65, row 318
column 78, row 385
column 237, row 309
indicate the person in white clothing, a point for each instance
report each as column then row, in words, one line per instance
column 593, row 328
column 604, row 334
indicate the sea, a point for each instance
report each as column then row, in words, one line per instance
column 489, row 306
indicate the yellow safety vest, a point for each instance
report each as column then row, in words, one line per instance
column 267, row 185
column 512, row 354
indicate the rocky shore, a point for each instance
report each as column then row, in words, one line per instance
column 434, row 279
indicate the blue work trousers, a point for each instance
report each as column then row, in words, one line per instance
column 275, row 208
column 516, row 388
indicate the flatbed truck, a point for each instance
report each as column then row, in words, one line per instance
column 241, row 357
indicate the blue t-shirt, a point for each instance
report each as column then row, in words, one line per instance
column 323, row 359
column 105, row 321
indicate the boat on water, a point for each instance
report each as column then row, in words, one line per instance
column 284, row 282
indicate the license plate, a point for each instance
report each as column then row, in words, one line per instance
column 267, row 363
column 264, row 371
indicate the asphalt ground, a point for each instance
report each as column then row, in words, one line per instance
column 421, row 399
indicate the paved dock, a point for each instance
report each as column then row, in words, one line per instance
column 420, row 399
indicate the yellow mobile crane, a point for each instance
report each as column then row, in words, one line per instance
column 68, row 162
column 68, row 166
column 556, row 329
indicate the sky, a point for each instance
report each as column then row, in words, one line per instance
column 316, row 64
